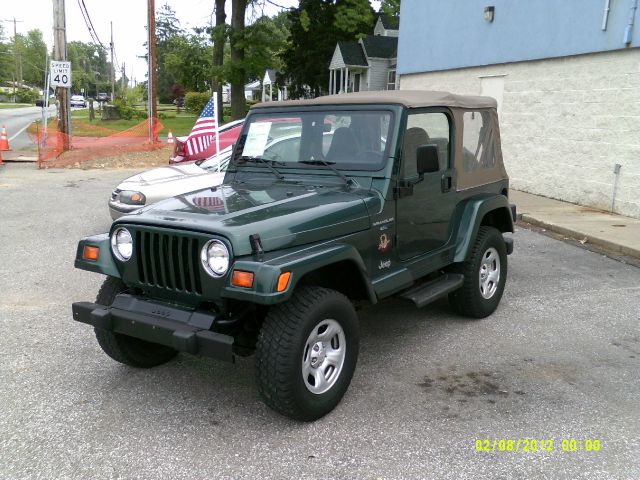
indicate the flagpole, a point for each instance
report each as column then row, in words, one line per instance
column 216, row 116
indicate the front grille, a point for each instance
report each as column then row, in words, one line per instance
column 168, row 261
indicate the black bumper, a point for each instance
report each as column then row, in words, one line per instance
column 184, row 330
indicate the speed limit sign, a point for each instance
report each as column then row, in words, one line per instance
column 60, row 74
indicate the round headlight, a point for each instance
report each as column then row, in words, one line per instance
column 215, row 258
column 122, row 244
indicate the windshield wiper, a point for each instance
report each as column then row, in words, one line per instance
column 319, row 161
column 266, row 162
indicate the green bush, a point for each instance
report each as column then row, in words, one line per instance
column 127, row 111
column 194, row 102
column 124, row 111
column 26, row 95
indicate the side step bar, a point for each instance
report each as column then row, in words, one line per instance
column 426, row 293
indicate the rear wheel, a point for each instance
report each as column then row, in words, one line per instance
column 307, row 352
column 123, row 348
column 485, row 275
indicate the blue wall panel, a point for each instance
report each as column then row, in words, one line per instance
column 446, row 34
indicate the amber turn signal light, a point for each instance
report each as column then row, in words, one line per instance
column 90, row 253
column 283, row 281
column 242, row 279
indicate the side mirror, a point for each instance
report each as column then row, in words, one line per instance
column 427, row 161
column 40, row 103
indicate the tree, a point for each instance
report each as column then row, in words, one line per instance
column 167, row 28
column 237, row 71
column 187, row 62
column 390, row 7
column 354, row 18
column 33, row 52
column 90, row 68
column 316, row 26
column 6, row 58
column 265, row 40
column 219, row 36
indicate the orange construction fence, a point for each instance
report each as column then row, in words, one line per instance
column 56, row 149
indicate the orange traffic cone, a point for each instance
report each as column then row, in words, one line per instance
column 4, row 143
column 170, row 137
column 1, row 160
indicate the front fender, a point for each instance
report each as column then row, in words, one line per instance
column 104, row 264
column 266, row 274
column 473, row 210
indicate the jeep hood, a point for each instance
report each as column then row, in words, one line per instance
column 284, row 215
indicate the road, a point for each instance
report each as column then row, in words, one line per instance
column 558, row 360
column 17, row 120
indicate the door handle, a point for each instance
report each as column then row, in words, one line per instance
column 446, row 182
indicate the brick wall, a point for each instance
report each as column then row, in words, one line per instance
column 564, row 123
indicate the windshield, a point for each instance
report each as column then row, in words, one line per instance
column 348, row 140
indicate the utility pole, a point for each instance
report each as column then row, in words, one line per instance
column 60, row 53
column 113, row 71
column 152, row 81
column 124, row 89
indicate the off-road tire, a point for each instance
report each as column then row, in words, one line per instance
column 468, row 300
column 123, row 348
column 280, row 348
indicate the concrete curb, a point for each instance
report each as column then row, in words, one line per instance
column 594, row 240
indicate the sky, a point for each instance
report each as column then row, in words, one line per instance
column 129, row 19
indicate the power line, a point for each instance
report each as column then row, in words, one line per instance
column 91, row 23
column 276, row 5
column 86, row 22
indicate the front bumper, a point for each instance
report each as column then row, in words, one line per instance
column 119, row 209
column 181, row 329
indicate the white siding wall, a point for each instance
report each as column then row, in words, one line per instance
column 564, row 123
column 336, row 60
column 378, row 71
column 380, row 30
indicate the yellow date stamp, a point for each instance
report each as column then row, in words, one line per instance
column 491, row 445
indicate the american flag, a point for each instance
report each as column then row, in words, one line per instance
column 204, row 131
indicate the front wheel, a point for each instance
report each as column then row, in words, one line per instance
column 307, row 352
column 485, row 275
column 123, row 348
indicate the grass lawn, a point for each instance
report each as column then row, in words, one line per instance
column 180, row 124
column 14, row 105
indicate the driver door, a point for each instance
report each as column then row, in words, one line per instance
column 424, row 207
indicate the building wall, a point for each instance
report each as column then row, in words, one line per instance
column 378, row 72
column 380, row 30
column 564, row 123
column 440, row 35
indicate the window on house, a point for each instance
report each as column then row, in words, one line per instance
column 478, row 147
column 391, row 80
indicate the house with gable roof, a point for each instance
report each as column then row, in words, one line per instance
column 368, row 64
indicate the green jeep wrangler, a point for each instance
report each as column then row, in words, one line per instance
column 327, row 204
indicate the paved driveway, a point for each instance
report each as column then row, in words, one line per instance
column 559, row 360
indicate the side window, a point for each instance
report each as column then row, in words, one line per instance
column 478, row 149
column 425, row 129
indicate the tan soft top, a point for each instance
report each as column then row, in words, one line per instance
column 407, row 98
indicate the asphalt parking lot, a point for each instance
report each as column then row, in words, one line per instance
column 560, row 359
